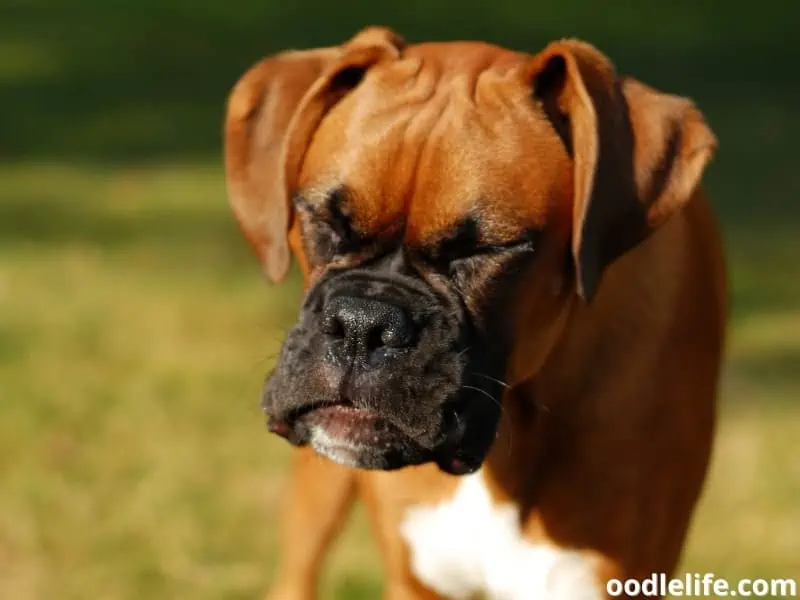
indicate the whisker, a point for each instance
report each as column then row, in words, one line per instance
column 262, row 361
column 464, row 351
column 503, row 412
column 458, row 419
column 490, row 378
column 485, row 393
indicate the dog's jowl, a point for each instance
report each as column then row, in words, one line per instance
column 513, row 321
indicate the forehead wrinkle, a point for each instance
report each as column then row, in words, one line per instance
column 430, row 137
column 445, row 149
column 385, row 128
column 476, row 103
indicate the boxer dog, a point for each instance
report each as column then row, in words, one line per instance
column 510, row 338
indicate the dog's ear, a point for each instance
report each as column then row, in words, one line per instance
column 638, row 154
column 272, row 113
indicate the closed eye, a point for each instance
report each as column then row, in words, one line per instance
column 521, row 245
column 330, row 225
column 451, row 257
column 333, row 238
column 466, row 240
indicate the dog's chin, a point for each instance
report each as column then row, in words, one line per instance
column 359, row 438
column 356, row 437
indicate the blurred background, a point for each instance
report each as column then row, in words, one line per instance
column 135, row 327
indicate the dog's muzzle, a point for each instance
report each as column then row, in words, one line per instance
column 373, row 376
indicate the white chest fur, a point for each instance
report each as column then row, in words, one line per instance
column 467, row 547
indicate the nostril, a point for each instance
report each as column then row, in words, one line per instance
column 332, row 326
column 396, row 335
column 375, row 339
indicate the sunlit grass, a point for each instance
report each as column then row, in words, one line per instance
column 135, row 328
column 135, row 331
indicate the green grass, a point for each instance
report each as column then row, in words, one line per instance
column 135, row 328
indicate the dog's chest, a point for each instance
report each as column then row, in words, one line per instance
column 467, row 547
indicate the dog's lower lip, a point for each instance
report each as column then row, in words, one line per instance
column 341, row 407
column 340, row 410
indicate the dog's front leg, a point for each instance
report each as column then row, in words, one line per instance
column 319, row 496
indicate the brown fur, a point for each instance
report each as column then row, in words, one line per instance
column 608, row 419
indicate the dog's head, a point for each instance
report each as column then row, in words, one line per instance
column 447, row 203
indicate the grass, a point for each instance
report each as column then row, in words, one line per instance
column 131, row 361
column 135, row 329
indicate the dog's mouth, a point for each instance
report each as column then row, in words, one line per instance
column 348, row 434
column 342, row 415
column 358, row 437
column 342, row 420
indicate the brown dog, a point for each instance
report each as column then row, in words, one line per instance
column 511, row 273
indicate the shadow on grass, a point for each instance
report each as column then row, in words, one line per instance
column 106, row 83
column 780, row 367
column 50, row 221
column 766, row 380
column 103, row 83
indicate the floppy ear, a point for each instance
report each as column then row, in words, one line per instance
column 638, row 154
column 272, row 113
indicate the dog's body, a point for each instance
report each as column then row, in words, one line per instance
column 454, row 208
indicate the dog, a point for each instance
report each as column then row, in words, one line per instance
column 514, row 314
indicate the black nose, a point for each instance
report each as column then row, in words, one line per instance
column 365, row 326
